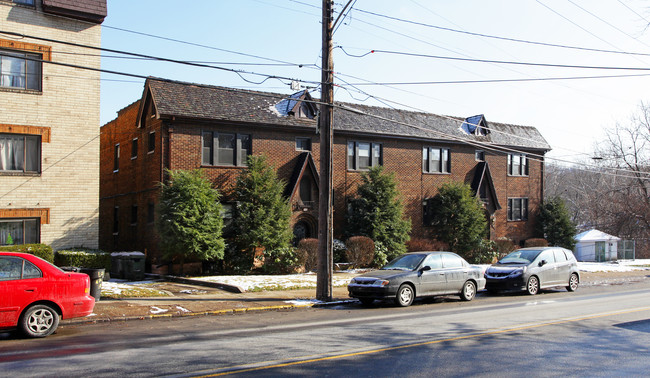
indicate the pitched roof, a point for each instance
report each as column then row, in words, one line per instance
column 482, row 176
column 88, row 10
column 304, row 162
column 594, row 235
column 213, row 103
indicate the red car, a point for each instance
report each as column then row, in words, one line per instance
column 35, row 294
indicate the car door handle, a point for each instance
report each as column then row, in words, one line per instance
column 30, row 290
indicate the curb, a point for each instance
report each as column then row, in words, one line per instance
column 88, row 321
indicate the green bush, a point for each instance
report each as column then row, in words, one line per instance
column 485, row 253
column 282, row 260
column 43, row 251
column 338, row 250
column 381, row 255
column 92, row 259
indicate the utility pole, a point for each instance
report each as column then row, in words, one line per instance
column 325, row 223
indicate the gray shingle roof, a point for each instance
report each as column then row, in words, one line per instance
column 213, row 103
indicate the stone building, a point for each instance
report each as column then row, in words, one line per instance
column 179, row 125
column 49, row 122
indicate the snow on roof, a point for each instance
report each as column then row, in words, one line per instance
column 594, row 235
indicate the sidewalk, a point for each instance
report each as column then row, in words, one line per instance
column 193, row 300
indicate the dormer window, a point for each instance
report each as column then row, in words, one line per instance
column 476, row 125
column 298, row 105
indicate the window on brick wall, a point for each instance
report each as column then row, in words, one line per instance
column 151, row 212
column 24, row 2
column 227, row 213
column 116, row 220
column 225, row 148
column 479, row 155
column 116, row 158
column 436, row 160
column 134, row 215
column 20, row 153
column 517, row 165
column 19, row 70
column 303, row 144
column 363, row 155
column 134, row 148
column 152, row 142
column 20, row 231
column 517, row 209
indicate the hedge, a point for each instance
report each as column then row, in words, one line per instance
column 43, row 251
column 92, row 259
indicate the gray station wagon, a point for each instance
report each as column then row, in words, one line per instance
column 532, row 269
column 419, row 274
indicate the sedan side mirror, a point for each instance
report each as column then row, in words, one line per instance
column 542, row 263
column 425, row 268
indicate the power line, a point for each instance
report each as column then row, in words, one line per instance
column 500, row 38
column 169, row 60
column 475, row 60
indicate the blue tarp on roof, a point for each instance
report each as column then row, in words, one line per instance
column 471, row 123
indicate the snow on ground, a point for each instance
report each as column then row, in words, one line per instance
column 157, row 310
column 279, row 282
column 615, row 266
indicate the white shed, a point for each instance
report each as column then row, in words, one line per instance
column 594, row 245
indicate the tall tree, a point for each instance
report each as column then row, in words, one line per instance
column 378, row 213
column 555, row 224
column 458, row 218
column 190, row 222
column 261, row 217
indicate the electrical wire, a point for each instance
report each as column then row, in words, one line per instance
column 501, row 38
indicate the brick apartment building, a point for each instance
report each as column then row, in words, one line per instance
column 49, row 123
column 179, row 125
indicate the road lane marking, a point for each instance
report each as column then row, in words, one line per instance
column 265, row 365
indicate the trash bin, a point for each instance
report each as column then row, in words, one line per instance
column 96, row 277
column 133, row 266
column 116, row 266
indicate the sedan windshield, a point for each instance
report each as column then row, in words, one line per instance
column 520, row 257
column 405, row 262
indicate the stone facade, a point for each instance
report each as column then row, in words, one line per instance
column 129, row 193
column 64, row 112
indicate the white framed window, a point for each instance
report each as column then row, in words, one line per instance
column 517, row 165
column 436, row 160
column 517, row 209
column 363, row 155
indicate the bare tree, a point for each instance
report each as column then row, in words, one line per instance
column 615, row 197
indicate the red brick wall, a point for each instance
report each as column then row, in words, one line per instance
column 136, row 181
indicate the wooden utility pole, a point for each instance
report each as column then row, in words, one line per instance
column 325, row 223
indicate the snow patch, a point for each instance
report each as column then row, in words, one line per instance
column 157, row 310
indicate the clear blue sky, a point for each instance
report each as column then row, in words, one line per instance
column 570, row 114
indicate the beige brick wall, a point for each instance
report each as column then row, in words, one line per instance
column 69, row 106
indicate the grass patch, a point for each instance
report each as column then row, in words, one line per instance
column 120, row 291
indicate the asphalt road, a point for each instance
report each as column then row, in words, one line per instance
column 597, row 331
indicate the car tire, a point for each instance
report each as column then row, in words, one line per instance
column 468, row 292
column 405, row 295
column 532, row 286
column 39, row 321
column 573, row 282
column 366, row 301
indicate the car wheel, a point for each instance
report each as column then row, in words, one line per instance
column 405, row 295
column 573, row 282
column 533, row 285
column 366, row 301
column 468, row 292
column 39, row 321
